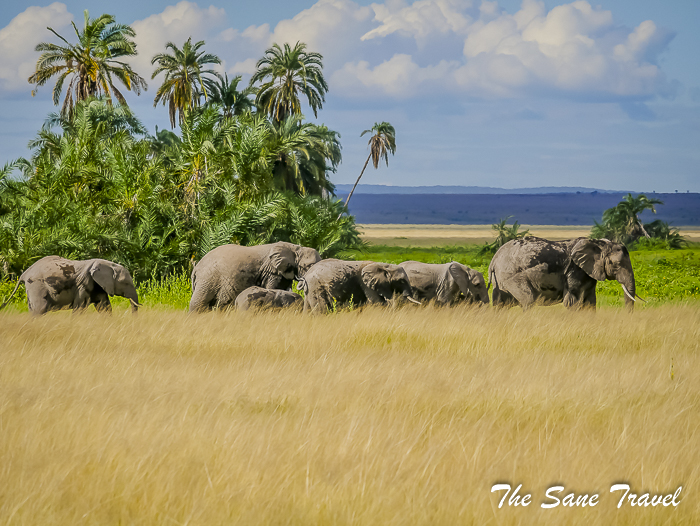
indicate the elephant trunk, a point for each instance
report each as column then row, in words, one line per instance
column 626, row 279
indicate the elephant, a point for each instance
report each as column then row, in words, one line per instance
column 447, row 283
column 54, row 283
column 222, row 274
column 259, row 298
column 528, row 270
column 336, row 282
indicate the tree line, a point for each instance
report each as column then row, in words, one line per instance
column 245, row 166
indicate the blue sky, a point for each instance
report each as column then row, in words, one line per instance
column 511, row 94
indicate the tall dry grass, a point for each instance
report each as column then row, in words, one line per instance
column 372, row 417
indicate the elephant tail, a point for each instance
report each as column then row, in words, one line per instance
column 192, row 277
column 20, row 280
column 492, row 279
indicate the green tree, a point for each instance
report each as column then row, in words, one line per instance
column 285, row 74
column 381, row 144
column 185, row 77
column 504, row 233
column 621, row 223
column 92, row 64
column 225, row 93
column 305, row 153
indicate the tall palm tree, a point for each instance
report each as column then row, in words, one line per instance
column 92, row 63
column 184, row 77
column 304, row 153
column 226, row 94
column 285, row 74
column 622, row 223
column 381, row 144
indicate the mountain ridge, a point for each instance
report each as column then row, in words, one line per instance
column 344, row 189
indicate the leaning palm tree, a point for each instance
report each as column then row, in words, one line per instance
column 92, row 63
column 225, row 93
column 285, row 74
column 184, row 77
column 381, row 144
column 621, row 223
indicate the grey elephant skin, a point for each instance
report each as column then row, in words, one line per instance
column 529, row 270
column 447, row 283
column 55, row 283
column 336, row 282
column 225, row 272
column 258, row 298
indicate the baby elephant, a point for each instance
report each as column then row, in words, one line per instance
column 260, row 298
column 55, row 283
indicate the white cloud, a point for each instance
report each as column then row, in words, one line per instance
column 19, row 38
column 398, row 77
column 403, row 49
column 422, row 19
column 573, row 49
column 175, row 24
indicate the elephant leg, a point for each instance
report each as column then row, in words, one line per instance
column 81, row 301
column 102, row 303
column 501, row 298
column 519, row 288
column 202, row 299
column 589, row 298
column 38, row 300
column 317, row 302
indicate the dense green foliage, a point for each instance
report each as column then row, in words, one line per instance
column 97, row 185
column 621, row 223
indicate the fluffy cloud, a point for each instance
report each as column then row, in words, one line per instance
column 398, row 77
column 574, row 49
column 175, row 24
column 422, row 19
column 469, row 48
column 330, row 27
column 19, row 38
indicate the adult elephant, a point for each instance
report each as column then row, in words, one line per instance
column 446, row 283
column 222, row 274
column 336, row 282
column 259, row 298
column 55, row 283
column 529, row 270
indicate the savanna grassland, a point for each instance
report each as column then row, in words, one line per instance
column 404, row 416
column 370, row 416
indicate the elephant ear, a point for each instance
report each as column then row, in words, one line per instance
column 377, row 279
column 283, row 261
column 104, row 276
column 588, row 255
column 460, row 276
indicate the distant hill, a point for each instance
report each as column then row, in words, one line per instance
column 344, row 189
column 534, row 209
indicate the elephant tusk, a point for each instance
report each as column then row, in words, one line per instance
column 137, row 304
column 639, row 297
column 409, row 298
column 627, row 292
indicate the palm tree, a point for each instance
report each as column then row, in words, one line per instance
column 504, row 233
column 225, row 93
column 285, row 74
column 93, row 63
column 381, row 144
column 305, row 152
column 184, row 77
column 621, row 223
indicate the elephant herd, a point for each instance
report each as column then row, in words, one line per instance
column 523, row 272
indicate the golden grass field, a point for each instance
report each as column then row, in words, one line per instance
column 386, row 417
column 437, row 235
